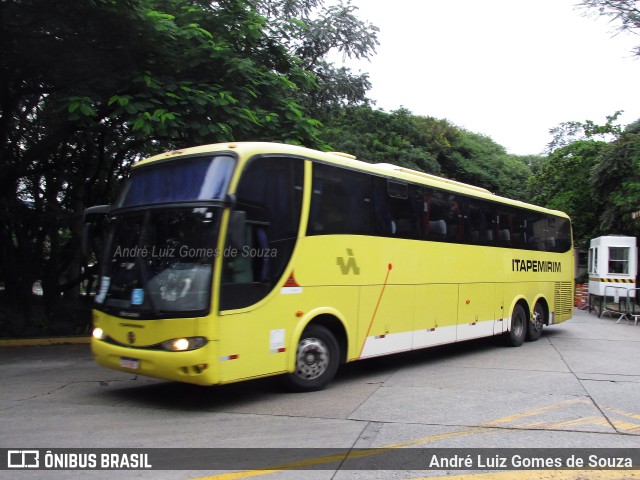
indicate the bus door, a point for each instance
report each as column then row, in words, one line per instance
column 261, row 237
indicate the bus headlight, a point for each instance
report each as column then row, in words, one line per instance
column 98, row 333
column 183, row 344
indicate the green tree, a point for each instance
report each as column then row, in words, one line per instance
column 593, row 176
column 88, row 87
column 310, row 30
column 430, row 145
column 616, row 180
column 398, row 137
column 623, row 13
column 563, row 182
column 477, row 159
column 568, row 132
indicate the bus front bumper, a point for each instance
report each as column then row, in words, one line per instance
column 194, row 366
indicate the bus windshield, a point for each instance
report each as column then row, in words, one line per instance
column 159, row 262
column 201, row 178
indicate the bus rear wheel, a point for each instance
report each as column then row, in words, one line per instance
column 534, row 327
column 317, row 359
column 518, row 331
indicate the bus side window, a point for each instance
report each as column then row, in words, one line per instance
column 519, row 225
column 444, row 222
column 479, row 224
column 396, row 209
column 537, row 232
column 340, row 202
column 563, row 232
column 270, row 195
column 505, row 228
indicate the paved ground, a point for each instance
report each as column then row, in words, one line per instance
column 578, row 387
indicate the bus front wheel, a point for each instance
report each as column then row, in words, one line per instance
column 317, row 359
column 516, row 335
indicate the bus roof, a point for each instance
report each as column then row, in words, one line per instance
column 248, row 149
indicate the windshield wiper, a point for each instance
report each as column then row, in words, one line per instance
column 143, row 277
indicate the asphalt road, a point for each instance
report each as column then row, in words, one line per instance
column 577, row 387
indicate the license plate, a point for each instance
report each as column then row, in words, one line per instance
column 130, row 363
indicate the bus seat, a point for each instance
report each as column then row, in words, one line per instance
column 551, row 244
column 438, row 228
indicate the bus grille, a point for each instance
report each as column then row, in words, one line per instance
column 564, row 298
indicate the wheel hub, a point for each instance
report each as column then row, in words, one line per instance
column 312, row 358
column 537, row 320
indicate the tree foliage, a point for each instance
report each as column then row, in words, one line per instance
column 624, row 14
column 88, row 87
column 310, row 31
column 478, row 160
column 563, row 182
column 376, row 136
column 596, row 182
column 616, row 180
column 568, row 132
column 430, row 145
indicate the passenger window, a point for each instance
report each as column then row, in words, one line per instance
column 505, row 233
column 262, row 231
column 519, row 236
column 479, row 223
column 534, row 231
column 396, row 209
column 442, row 216
column 340, row 202
column 563, row 234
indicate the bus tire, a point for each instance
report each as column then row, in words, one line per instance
column 534, row 327
column 317, row 359
column 518, row 331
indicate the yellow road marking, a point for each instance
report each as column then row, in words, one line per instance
column 624, row 426
column 623, row 413
column 531, row 413
column 594, row 420
column 519, row 475
column 339, row 457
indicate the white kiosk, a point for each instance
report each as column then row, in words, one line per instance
column 613, row 266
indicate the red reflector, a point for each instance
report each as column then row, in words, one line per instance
column 229, row 357
column 291, row 282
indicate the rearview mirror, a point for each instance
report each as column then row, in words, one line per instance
column 93, row 219
column 237, row 228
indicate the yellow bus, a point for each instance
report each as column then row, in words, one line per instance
column 236, row 261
